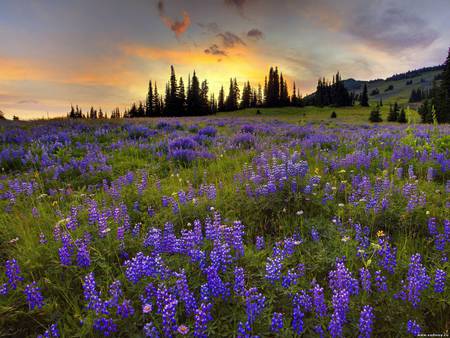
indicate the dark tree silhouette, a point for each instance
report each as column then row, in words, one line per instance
column 364, row 97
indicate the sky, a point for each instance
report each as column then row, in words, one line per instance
column 102, row 53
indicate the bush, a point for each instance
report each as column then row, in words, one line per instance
column 375, row 116
column 333, row 115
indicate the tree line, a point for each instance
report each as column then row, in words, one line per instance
column 436, row 107
column 195, row 99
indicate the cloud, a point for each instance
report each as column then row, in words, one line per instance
column 178, row 27
column 230, row 40
column 210, row 27
column 393, row 29
column 28, row 101
column 255, row 34
column 379, row 24
column 215, row 50
column 235, row 3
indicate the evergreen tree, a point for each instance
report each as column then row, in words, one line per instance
column 140, row 110
column 393, row 112
column 426, row 111
column 157, row 102
column 375, row 115
column 204, row 102
column 442, row 94
column 294, row 96
column 246, row 96
column 402, row 116
column 149, row 103
column 181, row 99
column 221, row 100
column 259, row 99
column 194, row 102
column 364, row 97
column 133, row 111
column 100, row 114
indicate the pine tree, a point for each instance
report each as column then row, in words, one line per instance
column 364, row 97
column 259, row 99
column 402, row 116
column 294, row 96
column 375, row 115
column 221, row 100
column 181, row 99
column 204, row 102
column 393, row 112
column 149, row 101
column 193, row 101
column 442, row 97
column 133, row 111
column 157, row 102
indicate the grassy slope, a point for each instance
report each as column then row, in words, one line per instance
column 356, row 114
column 401, row 91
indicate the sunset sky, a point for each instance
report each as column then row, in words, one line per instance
column 103, row 52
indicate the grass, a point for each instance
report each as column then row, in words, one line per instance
column 353, row 167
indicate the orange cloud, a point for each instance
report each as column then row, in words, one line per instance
column 178, row 27
column 20, row 69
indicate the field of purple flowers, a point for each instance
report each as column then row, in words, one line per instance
column 223, row 227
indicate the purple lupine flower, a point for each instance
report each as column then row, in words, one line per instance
column 239, row 281
column 366, row 319
column 432, row 227
column 297, row 320
column 105, row 325
column 260, row 244
column 215, row 284
column 185, row 294
column 315, row 234
column 319, row 301
column 83, row 256
column 277, row 322
column 3, row 289
column 336, row 325
column 221, row 255
column 413, row 327
column 91, row 295
column 254, row 303
column 66, row 251
column 169, row 311
column 273, row 268
column 365, row 277
column 293, row 275
column 12, row 271
column 34, row 296
column 202, row 317
column 417, row 280
column 42, row 239
column 388, row 255
column 439, row 281
column 125, row 309
column 151, row 331
column 102, row 225
column 319, row 330
column 115, row 291
column 380, row 281
column 52, row 332
column 303, row 301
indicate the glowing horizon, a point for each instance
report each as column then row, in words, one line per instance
column 103, row 53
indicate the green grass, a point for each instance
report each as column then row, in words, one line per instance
column 351, row 115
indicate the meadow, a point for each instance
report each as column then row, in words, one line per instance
column 282, row 224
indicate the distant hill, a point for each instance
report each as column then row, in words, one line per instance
column 397, row 87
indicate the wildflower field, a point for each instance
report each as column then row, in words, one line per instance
column 223, row 227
